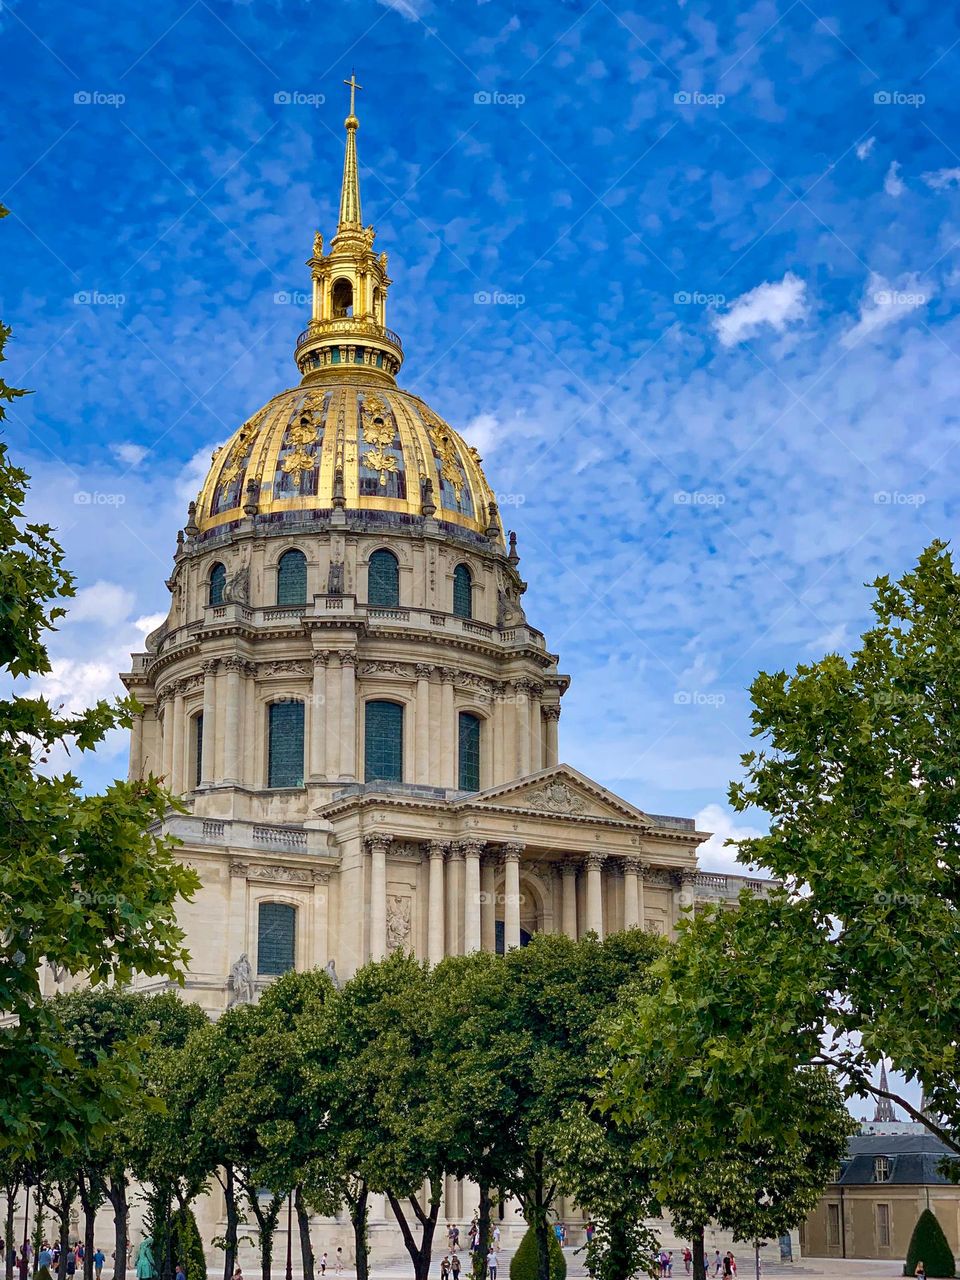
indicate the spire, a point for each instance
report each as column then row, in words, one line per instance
column 350, row 217
column 884, row 1113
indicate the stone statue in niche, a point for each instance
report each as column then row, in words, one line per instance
column 335, row 578
column 330, row 969
column 240, row 983
column 236, row 589
column 398, row 923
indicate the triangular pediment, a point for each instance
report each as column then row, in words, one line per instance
column 558, row 792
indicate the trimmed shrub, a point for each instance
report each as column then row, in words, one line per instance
column 523, row 1265
column 929, row 1245
column 187, row 1247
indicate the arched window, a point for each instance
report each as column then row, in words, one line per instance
column 500, row 943
column 276, row 938
column 292, row 578
column 469, row 747
column 383, row 742
column 198, row 747
column 218, row 580
column 462, row 592
column 342, row 298
column 383, row 579
column 285, row 745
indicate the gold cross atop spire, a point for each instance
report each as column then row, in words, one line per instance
column 353, row 87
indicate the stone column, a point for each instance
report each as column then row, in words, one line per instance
column 421, row 771
column 472, row 849
column 454, row 913
column 348, row 717
column 568, row 873
column 136, row 748
column 378, row 846
column 332, row 750
column 254, row 731
column 641, row 906
column 167, row 731
column 522, row 689
column 317, row 764
column 687, row 897
column 435, row 935
column 448, row 736
column 631, row 893
column 209, row 746
column 536, row 729
column 231, row 721
column 511, row 895
column 595, row 893
column 488, row 903
column 551, row 715
column 178, row 762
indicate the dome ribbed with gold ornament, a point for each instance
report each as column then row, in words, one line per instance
column 347, row 438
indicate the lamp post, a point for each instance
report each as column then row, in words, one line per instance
column 289, row 1235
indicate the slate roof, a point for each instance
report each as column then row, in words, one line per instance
column 914, row 1159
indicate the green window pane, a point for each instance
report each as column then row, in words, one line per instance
column 276, row 937
column 218, row 580
column 383, row 742
column 469, row 758
column 292, row 578
column 462, row 592
column 198, row 746
column 383, row 579
column 285, row 765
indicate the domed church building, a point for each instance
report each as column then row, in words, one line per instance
column 349, row 696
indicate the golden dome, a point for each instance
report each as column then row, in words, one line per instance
column 353, row 445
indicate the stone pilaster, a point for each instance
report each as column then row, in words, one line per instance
column 632, row 871
column 511, row 895
column 378, row 845
column 551, row 716
column 472, row 850
column 208, row 753
column 437, row 850
column 348, row 716
column 235, row 668
column 317, row 764
column 594, row 865
column 568, row 892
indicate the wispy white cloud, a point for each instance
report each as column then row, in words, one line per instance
column 893, row 184
column 774, row 304
column 884, row 303
column 941, row 179
column 864, row 148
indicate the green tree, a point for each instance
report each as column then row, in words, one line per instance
column 390, row 1121
column 86, row 884
column 929, row 1245
column 858, row 773
column 733, row 1123
column 524, row 1263
column 102, row 1026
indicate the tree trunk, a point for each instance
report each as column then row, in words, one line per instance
column 267, row 1225
column 306, row 1244
column 699, row 1255
column 228, row 1183
column 85, row 1190
column 542, row 1231
column 11, row 1190
column 358, row 1216
column 117, row 1195
column 420, row 1254
column 63, row 1213
column 483, row 1233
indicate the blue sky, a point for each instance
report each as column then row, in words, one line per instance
column 716, row 392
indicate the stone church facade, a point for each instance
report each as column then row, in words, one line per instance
column 349, row 696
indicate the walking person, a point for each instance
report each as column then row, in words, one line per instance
column 338, row 1261
column 455, row 1267
column 445, row 1267
column 687, row 1259
column 492, row 1264
column 99, row 1258
column 323, row 1263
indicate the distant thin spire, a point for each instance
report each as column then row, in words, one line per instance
column 884, row 1113
column 350, row 216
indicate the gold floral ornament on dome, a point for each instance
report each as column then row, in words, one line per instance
column 303, row 433
column 379, row 433
column 447, row 451
column 236, row 461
